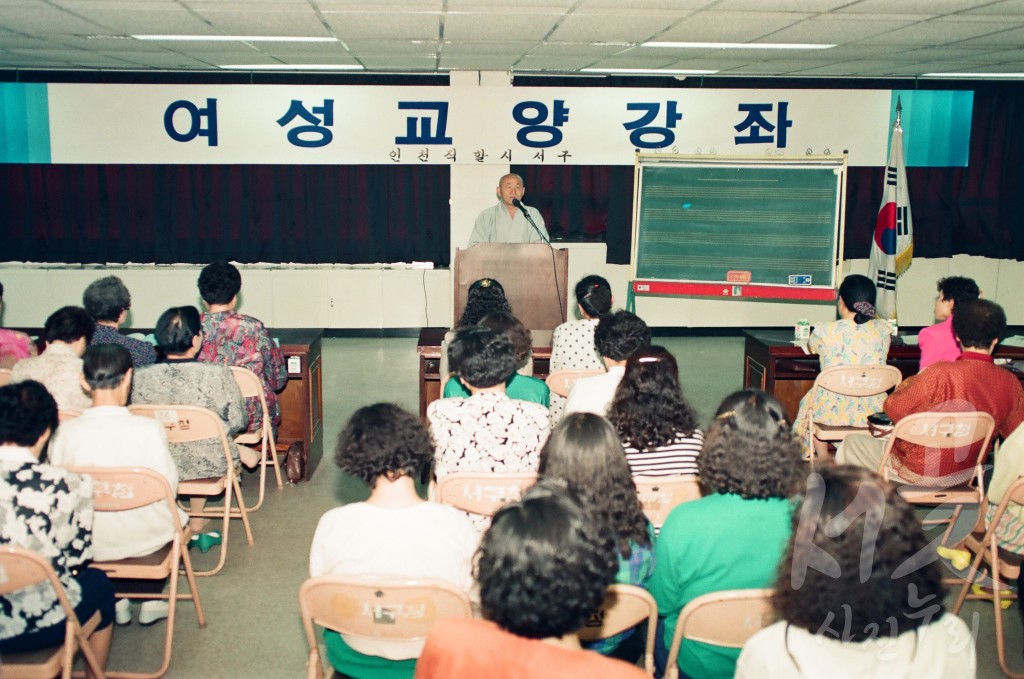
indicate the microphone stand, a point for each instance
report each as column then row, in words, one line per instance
column 526, row 213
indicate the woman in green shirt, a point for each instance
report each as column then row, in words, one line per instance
column 734, row 536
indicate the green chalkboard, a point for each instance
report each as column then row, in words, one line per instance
column 773, row 221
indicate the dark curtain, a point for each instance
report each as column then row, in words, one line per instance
column 974, row 210
column 344, row 214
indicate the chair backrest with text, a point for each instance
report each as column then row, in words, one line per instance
column 482, row 493
column 961, row 438
column 726, row 619
column 376, row 608
column 659, row 495
column 21, row 568
column 624, row 606
column 562, row 381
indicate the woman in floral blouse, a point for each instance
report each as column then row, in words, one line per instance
column 572, row 343
column 47, row 510
column 857, row 338
column 232, row 338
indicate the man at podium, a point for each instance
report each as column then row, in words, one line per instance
column 509, row 221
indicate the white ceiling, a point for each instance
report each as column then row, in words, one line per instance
column 873, row 38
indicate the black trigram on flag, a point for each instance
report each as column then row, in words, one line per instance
column 901, row 221
column 890, row 176
column 885, row 280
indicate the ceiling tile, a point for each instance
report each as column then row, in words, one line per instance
column 612, row 27
column 730, row 26
column 385, row 25
column 499, row 26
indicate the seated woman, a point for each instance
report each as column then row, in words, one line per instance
column 483, row 297
column 857, row 338
column 181, row 379
column 853, row 597
column 14, row 345
column 393, row 533
column 487, row 432
column 519, row 386
column 656, row 425
column 231, row 338
column 59, row 368
column 107, row 435
column 584, row 453
column 572, row 343
column 47, row 510
column 543, row 568
column 734, row 536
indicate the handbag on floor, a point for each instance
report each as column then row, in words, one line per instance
column 294, row 463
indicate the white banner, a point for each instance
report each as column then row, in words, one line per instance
column 292, row 124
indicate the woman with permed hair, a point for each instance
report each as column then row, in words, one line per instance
column 519, row 386
column 853, row 596
column 543, row 568
column 572, row 342
column 734, row 536
column 857, row 338
column 584, row 452
column 393, row 533
column 656, row 425
column 483, row 297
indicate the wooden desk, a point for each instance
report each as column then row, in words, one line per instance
column 302, row 399
column 429, row 350
column 772, row 362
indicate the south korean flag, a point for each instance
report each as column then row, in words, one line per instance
column 892, row 247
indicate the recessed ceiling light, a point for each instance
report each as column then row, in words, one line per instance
column 650, row 71
column 291, row 67
column 982, row 76
column 237, row 38
column 740, row 45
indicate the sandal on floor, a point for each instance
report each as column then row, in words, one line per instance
column 205, row 541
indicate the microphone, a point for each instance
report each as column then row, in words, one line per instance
column 526, row 213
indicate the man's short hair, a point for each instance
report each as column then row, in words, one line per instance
column 619, row 334
column 482, row 357
column 105, row 365
column 106, row 298
column 219, row 282
column 978, row 322
column 544, row 564
column 26, row 411
column 958, row 289
column 68, row 324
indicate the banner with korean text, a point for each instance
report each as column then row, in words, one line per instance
column 367, row 125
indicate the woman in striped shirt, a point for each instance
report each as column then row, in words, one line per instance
column 656, row 425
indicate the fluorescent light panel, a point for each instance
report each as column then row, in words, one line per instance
column 237, row 38
column 981, row 76
column 650, row 71
column 291, row 67
column 740, row 45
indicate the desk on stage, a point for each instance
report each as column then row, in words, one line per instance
column 302, row 399
column 429, row 350
column 772, row 362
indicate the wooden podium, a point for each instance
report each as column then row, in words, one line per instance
column 535, row 278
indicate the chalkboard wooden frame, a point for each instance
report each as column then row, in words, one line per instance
column 760, row 227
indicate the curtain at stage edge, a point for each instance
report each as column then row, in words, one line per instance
column 164, row 214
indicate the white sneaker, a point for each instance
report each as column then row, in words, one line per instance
column 123, row 612
column 152, row 611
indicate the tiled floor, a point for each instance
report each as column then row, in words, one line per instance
column 252, row 611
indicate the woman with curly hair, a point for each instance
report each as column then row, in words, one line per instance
column 857, row 338
column 853, row 597
column 572, row 343
column 656, row 425
column 483, row 297
column 393, row 533
column 734, row 536
column 519, row 386
column 543, row 568
column 585, row 453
